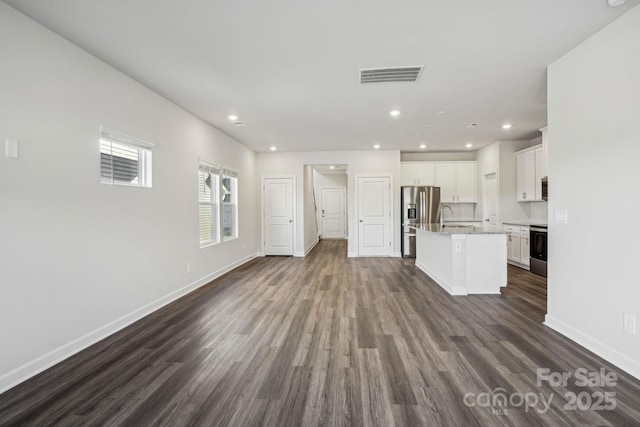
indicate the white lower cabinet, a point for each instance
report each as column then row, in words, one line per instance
column 517, row 244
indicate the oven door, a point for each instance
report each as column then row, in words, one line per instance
column 538, row 243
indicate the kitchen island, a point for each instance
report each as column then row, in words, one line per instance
column 463, row 260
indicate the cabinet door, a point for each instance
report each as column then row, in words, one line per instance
column 446, row 180
column 407, row 174
column 467, row 182
column 525, row 176
column 516, row 245
column 425, row 173
column 524, row 246
column 539, row 172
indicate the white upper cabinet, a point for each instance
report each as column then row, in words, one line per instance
column 417, row 174
column 458, row 182
column 530, row 166
column 545, row 152
column 467, row 182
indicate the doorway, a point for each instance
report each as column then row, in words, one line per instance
column 278, row 215
column 490, row 200
column 333, row 212
column 374, row 215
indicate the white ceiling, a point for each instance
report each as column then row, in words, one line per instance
column 289, row 68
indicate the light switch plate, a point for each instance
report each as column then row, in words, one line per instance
column 562, row 216
column 12, row 148
column 629, row 323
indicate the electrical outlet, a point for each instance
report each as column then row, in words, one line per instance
column 629, row 323
column 189, row 267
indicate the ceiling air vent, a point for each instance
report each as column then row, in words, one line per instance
column 390, row 75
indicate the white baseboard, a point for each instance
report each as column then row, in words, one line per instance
column 621, row 360
column 397, row 255
column 452, row 290
column 310, row 248
column 34, row 367
column 352, row 255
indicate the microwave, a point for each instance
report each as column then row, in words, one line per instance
column 545, row 188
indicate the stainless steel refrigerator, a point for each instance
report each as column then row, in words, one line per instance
column 419, row 205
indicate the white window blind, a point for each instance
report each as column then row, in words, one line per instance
column 230, row 203
column 124, row 160
column 208, row 190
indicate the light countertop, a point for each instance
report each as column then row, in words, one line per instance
column 453, row 229
column 526, row 222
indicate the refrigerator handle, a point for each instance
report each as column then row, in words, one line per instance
column 422, row 206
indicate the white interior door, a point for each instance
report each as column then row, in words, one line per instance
column 490, row 196
column 333, row 213
column 374, row 216
column 278, row 216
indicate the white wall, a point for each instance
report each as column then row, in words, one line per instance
column 327, row 179
column 358, row 162
column 594, row 148
column 310, row 224
column 79, row 259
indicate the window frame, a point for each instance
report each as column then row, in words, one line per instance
column 213, row 170
column 232, row 174
column 109, row 136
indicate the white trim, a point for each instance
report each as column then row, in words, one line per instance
column 295, row 209
column 34, row 367
column 396, row 255
column 621, row 360
column 452, row 290
column 310, row 248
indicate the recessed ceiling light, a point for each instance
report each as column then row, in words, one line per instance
column 473, row 125
column 272, row 148
column 394, row 113
column 469, row 145
column 332, row 167
column 376, row 146
column 423, row 146
column 615, row 3
column 232, row 117
column 442, row 112
column 506, row 126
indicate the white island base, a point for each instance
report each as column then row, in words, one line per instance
column 465, row 263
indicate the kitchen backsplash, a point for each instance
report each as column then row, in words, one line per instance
column 461, row 212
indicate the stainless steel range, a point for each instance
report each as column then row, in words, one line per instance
column 538, row 249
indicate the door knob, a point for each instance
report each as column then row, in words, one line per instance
column 360, row 220
column 290, row 220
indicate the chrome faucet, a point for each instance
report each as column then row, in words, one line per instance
column 441, row 216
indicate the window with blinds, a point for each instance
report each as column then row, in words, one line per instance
column 208, row 208
column 124, row 160
column 229, row 204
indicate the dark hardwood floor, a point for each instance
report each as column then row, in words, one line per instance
column 528, row 289
column 327, row 340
